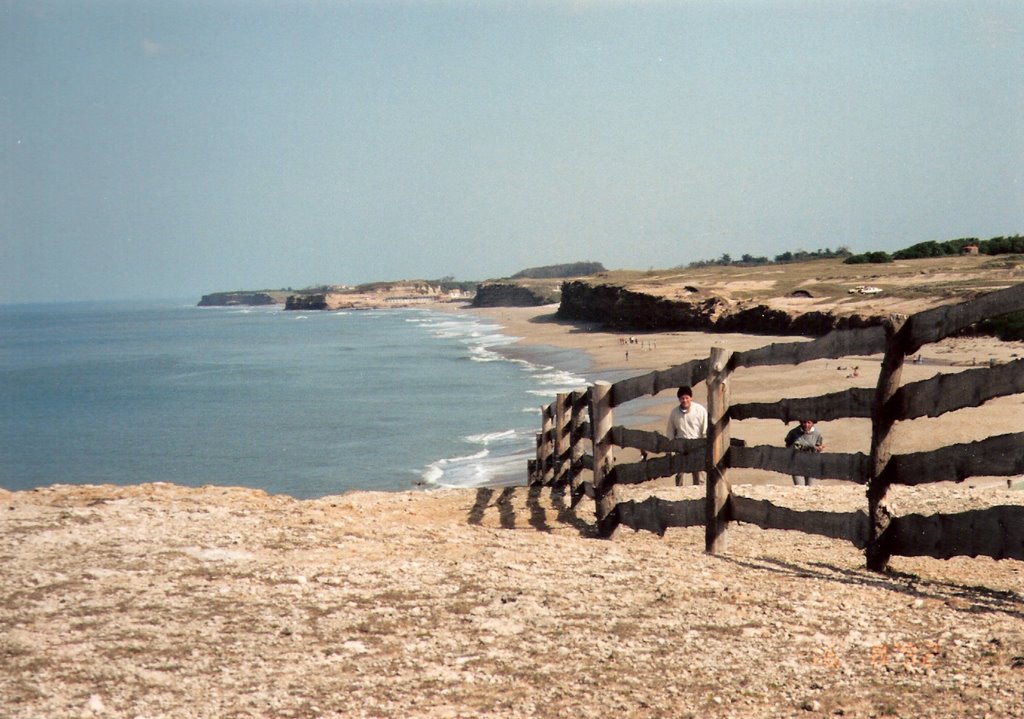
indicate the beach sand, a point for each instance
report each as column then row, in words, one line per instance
column 163, row 601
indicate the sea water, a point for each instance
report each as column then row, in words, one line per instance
column 301, row 403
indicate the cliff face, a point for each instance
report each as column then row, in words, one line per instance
column 508, row 295
column 623, row 309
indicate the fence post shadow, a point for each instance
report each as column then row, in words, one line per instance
column 483, row 500
column 980, row 599
column 565, row 513
column 504, row 502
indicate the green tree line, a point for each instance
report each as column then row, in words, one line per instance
column 993, row 246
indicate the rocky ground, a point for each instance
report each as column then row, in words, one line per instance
column 162, row 601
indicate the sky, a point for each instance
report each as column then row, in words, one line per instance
column 171, row 148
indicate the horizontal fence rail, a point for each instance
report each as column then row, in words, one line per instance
column 950, row 392
column 626, row 390
column 941, row 322
column 576, row 444
column 841, row 343
column 996, row 532
column 851, row 526
column 853, row 402
column 1000, row 456
column 852, row 467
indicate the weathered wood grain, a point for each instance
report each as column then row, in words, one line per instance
column 996, row 532
column 999, row 456
column 840, row 343
column 852, row 467
column 601, row 414
column 545, row 458
column 581, row 432
column 850, row 526
column 716, row 466
column 653, row 441
column 941, row 322
column 949, row 392
column 656, row 514
column 853, row 402
column 560, row 442
column 883, row 419
column 688, row 373
column 657, row 467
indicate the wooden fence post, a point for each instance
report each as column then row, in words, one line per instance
column 546, row 460
column 717, row 496
column 575, row 439
column 601, row 425
column 561, row 440
column 883, row 419
column 536, row 465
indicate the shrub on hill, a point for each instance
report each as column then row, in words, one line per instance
column 1002, row 245
column 875, row 258
column 571, row 269
column 932, row 248
column 784, row 258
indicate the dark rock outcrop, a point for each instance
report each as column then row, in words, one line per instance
column 622, row 309
column 225, row 299
column 508, row 295
column 306, row 302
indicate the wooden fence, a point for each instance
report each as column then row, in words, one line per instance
column 578, row 435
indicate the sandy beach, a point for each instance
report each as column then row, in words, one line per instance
column 163, row 601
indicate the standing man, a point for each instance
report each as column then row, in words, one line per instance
column 805, row 438
column 688, row 420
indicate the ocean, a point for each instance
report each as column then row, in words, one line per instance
column 301, row 403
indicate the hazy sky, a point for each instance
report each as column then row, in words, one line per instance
column 168, row 148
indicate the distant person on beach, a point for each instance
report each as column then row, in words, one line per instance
column 687, row 420
column 805, row 438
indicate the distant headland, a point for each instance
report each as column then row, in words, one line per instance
column 803, row 293
column 530, row 287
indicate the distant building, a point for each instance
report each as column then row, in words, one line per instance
column 969, row 250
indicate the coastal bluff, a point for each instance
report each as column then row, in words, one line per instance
column 623, row 309
column 158, row 600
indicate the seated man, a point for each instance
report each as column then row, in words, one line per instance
column 805, row 438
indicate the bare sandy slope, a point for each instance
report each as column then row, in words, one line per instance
column 159, row 601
